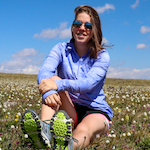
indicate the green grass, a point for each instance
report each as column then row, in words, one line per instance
column 129, row 99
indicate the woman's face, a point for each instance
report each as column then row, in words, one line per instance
column 81, row 34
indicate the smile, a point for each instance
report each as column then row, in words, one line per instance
column 80, row 34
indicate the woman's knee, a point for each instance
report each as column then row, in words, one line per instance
column 82, row 134
column 83, row 128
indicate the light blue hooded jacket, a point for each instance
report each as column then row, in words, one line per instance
column 82, row 77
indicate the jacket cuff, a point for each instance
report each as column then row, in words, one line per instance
column 49, row 93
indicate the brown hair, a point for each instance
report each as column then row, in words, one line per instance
column 95, row 43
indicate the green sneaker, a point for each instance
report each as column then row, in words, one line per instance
column 61, row 131
column 37, row 130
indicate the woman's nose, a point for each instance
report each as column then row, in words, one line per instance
column 82, row 27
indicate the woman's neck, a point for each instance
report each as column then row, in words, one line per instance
column 81, row 49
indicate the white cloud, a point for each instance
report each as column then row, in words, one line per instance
column 24, row 61
column 31, row 69
column 1, row 68
column 47, row 33
column 63, row 25
column 104, row 41
column 66, row 33
column 61, row 32
column 141, row 46
column 128, row 73
column 25, row 52
column 101, row 10
column 126, row 23
column 135, row 4
column 145, row 29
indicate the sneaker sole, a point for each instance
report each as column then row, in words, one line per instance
column 61, row 130
column 30, row 124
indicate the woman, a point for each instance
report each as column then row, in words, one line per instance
column 81, row 66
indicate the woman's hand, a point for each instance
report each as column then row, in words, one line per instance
column 53, row 100
column 47, row 85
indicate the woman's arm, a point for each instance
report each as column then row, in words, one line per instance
column 92, row 78
column 50, row 64
column 84, row 84
column 49, row 67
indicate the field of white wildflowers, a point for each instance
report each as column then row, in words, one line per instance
column 129, row 99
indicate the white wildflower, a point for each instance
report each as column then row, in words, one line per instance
column 117, row 96
column 132, row 99
column 124, row 134
column 134, row 121
column 114, row 135
column 26, row 136
column 4, row 110
column 19, row 114
column 145, row 113
column 112, row 131
column 124, row 96
column 127, row 108
column 133, row 112
column 97, row 135
column 128, row 134
column 112, row 103
column 143, row 98
column 12, row 126
column 122, row 119
column 109, row 135
column 107, row 141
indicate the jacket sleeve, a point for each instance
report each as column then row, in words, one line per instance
column 49, row 67
column 92, row 78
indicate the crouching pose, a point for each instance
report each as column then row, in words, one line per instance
column 75, row 95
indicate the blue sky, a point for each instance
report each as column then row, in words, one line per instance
column 30, row 28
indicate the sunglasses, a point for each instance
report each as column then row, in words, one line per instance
column 77, row 24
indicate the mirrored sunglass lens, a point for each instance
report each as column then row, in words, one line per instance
column 88, row 25
column 77, row 23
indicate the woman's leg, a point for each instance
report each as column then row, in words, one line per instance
column 47, row 112
column 67, row 105
column 86, row 131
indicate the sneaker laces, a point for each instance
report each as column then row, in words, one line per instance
column 46, row 128
column 46, row 120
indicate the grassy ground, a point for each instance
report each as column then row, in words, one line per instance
column 129, row 99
